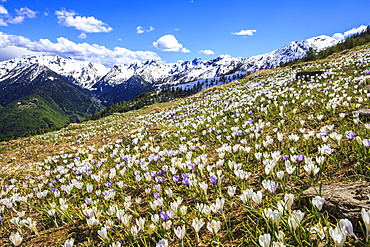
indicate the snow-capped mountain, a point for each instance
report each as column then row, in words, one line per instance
column 82, row 73
column 122, row 80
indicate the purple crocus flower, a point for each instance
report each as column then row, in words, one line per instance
column 213, row 179
column 186, row 182
column 164, row 216
column 300, row 158
column 159, row 179
column 285, row 157
column 108, row 184
column 366, row 143
column 350, row 135
column 238, row 133
column 191, row 167
column 159, row 173
column 176, row 179
column 156, row 195
column 185, row 176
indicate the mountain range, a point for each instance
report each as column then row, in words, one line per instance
column 52, row 91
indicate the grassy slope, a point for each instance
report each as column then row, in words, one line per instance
column 47, row 104
column 227, row 131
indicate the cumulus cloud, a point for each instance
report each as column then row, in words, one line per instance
column 13, row 45
column 3, row 10
column 22, row 14
column 245, row 32
column 169, row 43
column 207, row 52
column 16, row 20
column 140, row 29
column 82, row 23
column 26, row 12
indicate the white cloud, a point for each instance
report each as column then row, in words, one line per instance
column 3, row 23
column 140, row 30
column 16, row 20
column 82, row 36
column 3, row 10
column 245, row 32
column 207, row 52
column 26, row 12
column 12, row 46
column 169, row 43
column 82, row 23
column 22, row 14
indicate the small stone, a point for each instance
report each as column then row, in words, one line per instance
column 363, row 113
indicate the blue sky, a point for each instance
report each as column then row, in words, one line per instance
column 120, row 31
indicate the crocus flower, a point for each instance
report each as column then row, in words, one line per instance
column 69, row 243
column 265, row 240
column 186, row 182
column 366, row 143
column 167, row 224
column 366, row 218
column 214, row 226
column 176, row 179
column 231, row 191
column 346, row 227
column 197, row 224
column 311, row 169
column 295, row 219
column 318, row 201
column 300, row 158
column 16, row 238
column 162, row 243
column 164, row 216
column 213, row 179
column 103, row 233
column 319, row 230
column 350, row 135
column 257, row 197
column 338, row 236
column 180, row 232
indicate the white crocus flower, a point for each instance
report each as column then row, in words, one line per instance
column 265, row 240
column 16, row 238
column 318, row 201
column 338, row 236
column 180, row 232
column 214, row 226
column 366, row 218
column 103, row 233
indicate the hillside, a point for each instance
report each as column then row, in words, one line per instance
column 38, row 98
column 225, row 167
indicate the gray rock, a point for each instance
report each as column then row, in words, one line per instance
column 344, row 199
column 363, row 113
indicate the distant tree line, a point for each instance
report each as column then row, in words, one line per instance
column 353, row 41
column 165, row 94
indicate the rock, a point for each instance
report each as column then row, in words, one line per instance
column 344, row 199
column 306, row 74
column 363, row 113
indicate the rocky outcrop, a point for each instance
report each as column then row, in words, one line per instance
column 344, row 199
